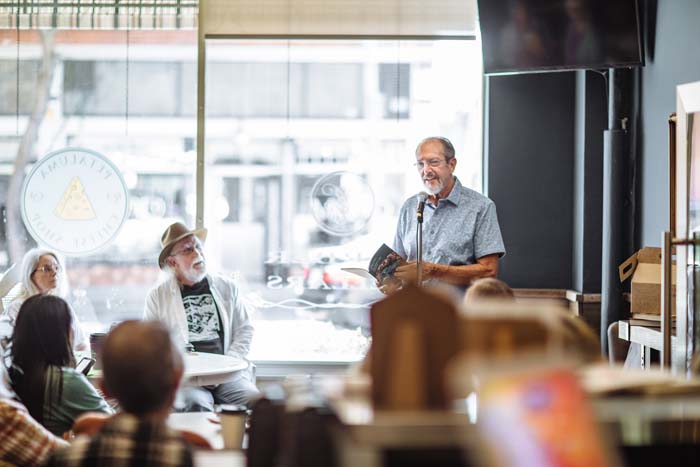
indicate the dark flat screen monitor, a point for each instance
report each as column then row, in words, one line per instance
column 541, row 35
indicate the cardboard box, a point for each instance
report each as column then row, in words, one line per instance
column 645, row 268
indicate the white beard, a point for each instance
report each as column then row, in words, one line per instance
column 195, row 275
column 436, row 189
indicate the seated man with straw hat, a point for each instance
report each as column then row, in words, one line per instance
column 204, row 311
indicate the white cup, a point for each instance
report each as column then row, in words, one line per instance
column 233, row 419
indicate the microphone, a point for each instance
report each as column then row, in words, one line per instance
column 422, row 197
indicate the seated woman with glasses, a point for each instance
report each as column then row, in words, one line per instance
column 43, row 370
column 43, row 273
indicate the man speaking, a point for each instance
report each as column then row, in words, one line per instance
column 461, row 237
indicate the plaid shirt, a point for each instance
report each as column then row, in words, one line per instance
column 23, row 441
column 127, row 441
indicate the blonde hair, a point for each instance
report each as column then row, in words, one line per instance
column 487, row 288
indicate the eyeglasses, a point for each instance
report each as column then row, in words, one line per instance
column 188, row 250
column 433, row 163
column 49, row 269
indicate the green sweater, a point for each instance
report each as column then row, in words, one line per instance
column 78, row 397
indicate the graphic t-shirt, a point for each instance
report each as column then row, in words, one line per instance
column 203, row 320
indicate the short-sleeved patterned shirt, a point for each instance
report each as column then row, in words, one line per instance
column 461, row 229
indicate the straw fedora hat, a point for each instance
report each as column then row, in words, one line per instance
column 174, row 234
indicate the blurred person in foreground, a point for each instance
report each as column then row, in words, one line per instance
column 142, row 370
column 205, row 311
column 42, row 272
column 461, row 237
column 488, row 288
column 23, row 441
column 43, row 370
column 578, row 336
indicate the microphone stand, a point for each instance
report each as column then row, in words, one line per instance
column 419, row 242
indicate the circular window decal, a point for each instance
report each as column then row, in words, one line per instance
column 74, row 201
column 342, row 203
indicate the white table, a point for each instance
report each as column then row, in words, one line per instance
column 219, row 459
column 204, row 424
column 204, row 369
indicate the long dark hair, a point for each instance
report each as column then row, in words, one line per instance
column 41, row 339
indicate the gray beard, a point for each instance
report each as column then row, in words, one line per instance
column 197, row 277
column 194, row 276
column 434, row 191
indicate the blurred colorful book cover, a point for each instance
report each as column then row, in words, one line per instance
column 540, row 418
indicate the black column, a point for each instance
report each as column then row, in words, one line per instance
column 614, row 215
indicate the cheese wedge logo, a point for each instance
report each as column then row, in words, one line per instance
column 74, row 204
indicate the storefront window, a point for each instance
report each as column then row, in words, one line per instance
column 311, row 145
column 123, row 97
column 309, row 148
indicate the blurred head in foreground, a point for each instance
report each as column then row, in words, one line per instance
column 488, row 288
column 141, row 367
column 578, row 337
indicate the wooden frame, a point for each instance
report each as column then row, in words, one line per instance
column 687, row 148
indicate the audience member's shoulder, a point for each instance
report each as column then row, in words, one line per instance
column 6, row 328
column 224, row 284
column 71, row 454
column 171, row 444
column 166, row 280
column 10, row 408
column 71, row 373
column 72, row 378
column 13, row 308
column 166, row 284
column 218, row 279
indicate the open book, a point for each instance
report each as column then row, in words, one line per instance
column 382, row 265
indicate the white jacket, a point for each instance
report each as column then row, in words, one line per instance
column 164, row 303
column 81, row 341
